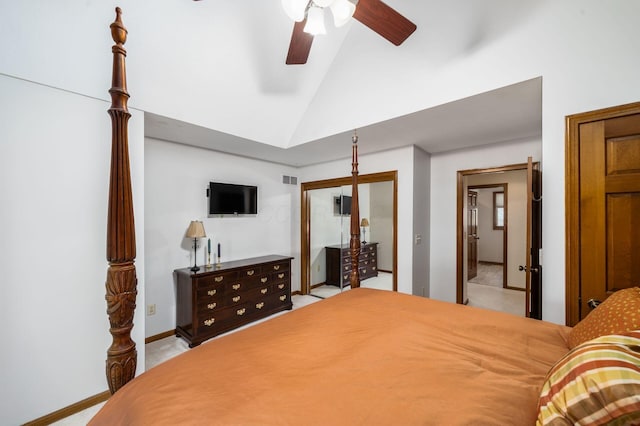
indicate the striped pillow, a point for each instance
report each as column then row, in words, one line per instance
column 596, row 383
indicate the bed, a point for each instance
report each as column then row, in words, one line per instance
column 379, row 357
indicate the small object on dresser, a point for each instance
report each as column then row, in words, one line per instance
column 208, row 265
column 195, row 231
column 364, row 223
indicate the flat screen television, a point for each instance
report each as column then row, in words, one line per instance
column 343, row 205
column 227, row 198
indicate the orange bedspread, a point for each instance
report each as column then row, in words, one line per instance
column 363, row 357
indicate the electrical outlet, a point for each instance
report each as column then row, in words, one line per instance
column 151, row 309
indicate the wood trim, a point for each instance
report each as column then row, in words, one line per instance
column 70, row 410
column 572, row 200
column 160, row 336
column 305, row 250
column 509, row 287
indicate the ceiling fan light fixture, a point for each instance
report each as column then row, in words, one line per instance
column 295, row 9
column 315, row 21
column 342, row 11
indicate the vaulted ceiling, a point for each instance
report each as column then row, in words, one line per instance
column 212, row 73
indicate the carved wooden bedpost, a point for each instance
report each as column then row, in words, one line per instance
column 354, row 278
column 121, row 240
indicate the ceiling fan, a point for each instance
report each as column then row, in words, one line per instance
column 309, row 17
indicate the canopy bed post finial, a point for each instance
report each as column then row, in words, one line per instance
column 121, row 240
column 354, row 278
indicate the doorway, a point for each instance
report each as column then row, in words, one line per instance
column 504, row 192
column 382, row 227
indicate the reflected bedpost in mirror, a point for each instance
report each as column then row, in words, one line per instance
column 328, row 228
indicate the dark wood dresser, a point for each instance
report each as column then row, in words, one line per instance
column 212, row 301
column 338, row 263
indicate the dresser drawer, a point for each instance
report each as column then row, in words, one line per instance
column 218, row 278
column 280, row 266
column 209, row 322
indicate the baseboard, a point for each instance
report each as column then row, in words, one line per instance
column 486, row 262
column 70, row 410
column 159, row 336
column 515, row 288
column 294, row 293
column 384, row 270
column 317, row 285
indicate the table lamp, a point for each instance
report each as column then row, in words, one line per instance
column 364, row 223
column 195, row 231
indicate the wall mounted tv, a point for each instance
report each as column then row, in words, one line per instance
column 226, row 198
column 342, row 205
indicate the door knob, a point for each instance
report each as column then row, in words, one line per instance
column 593, row 303
column 522, row 268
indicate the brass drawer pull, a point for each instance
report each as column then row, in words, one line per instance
column 263, row 291
column 366, row 255
column 364, row 271
column 346, row 277
column 212, row 292
column 236, row 299
column 236, row 286
column 212, row 305
column 283, row 297
column 276, row 267
column 264, row 280
column 280, row 286
column 209, row 322
column 241, row 311
column 374, row 268
column 251, row 272
column 260, row 305
column 280, row 276
column 218, row 279
column 366, row 262
column 346, row 268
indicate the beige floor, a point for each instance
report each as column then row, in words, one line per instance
column 486, row 291
column 384, row 281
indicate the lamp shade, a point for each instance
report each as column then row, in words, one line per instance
column 315, row 21
column 295, row 9
column 342, row 11
column 364, row 222
column 196, row 230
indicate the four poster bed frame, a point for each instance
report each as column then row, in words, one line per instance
column 362, row 357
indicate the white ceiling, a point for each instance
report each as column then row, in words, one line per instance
column 229, row 90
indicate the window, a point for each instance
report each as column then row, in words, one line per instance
column 498, row 210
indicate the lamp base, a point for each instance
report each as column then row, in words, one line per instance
column 195, row 268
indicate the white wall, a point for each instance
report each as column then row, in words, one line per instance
column 400, row 160
column 444, row 168
column 421, row 226
column 54, row 177
column 176, row 178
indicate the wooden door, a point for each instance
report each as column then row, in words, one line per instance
column 603, row 206
column 533, row 269
column 472, row 234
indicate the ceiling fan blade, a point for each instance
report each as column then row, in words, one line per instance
column 300, row 45
column 384, row 20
